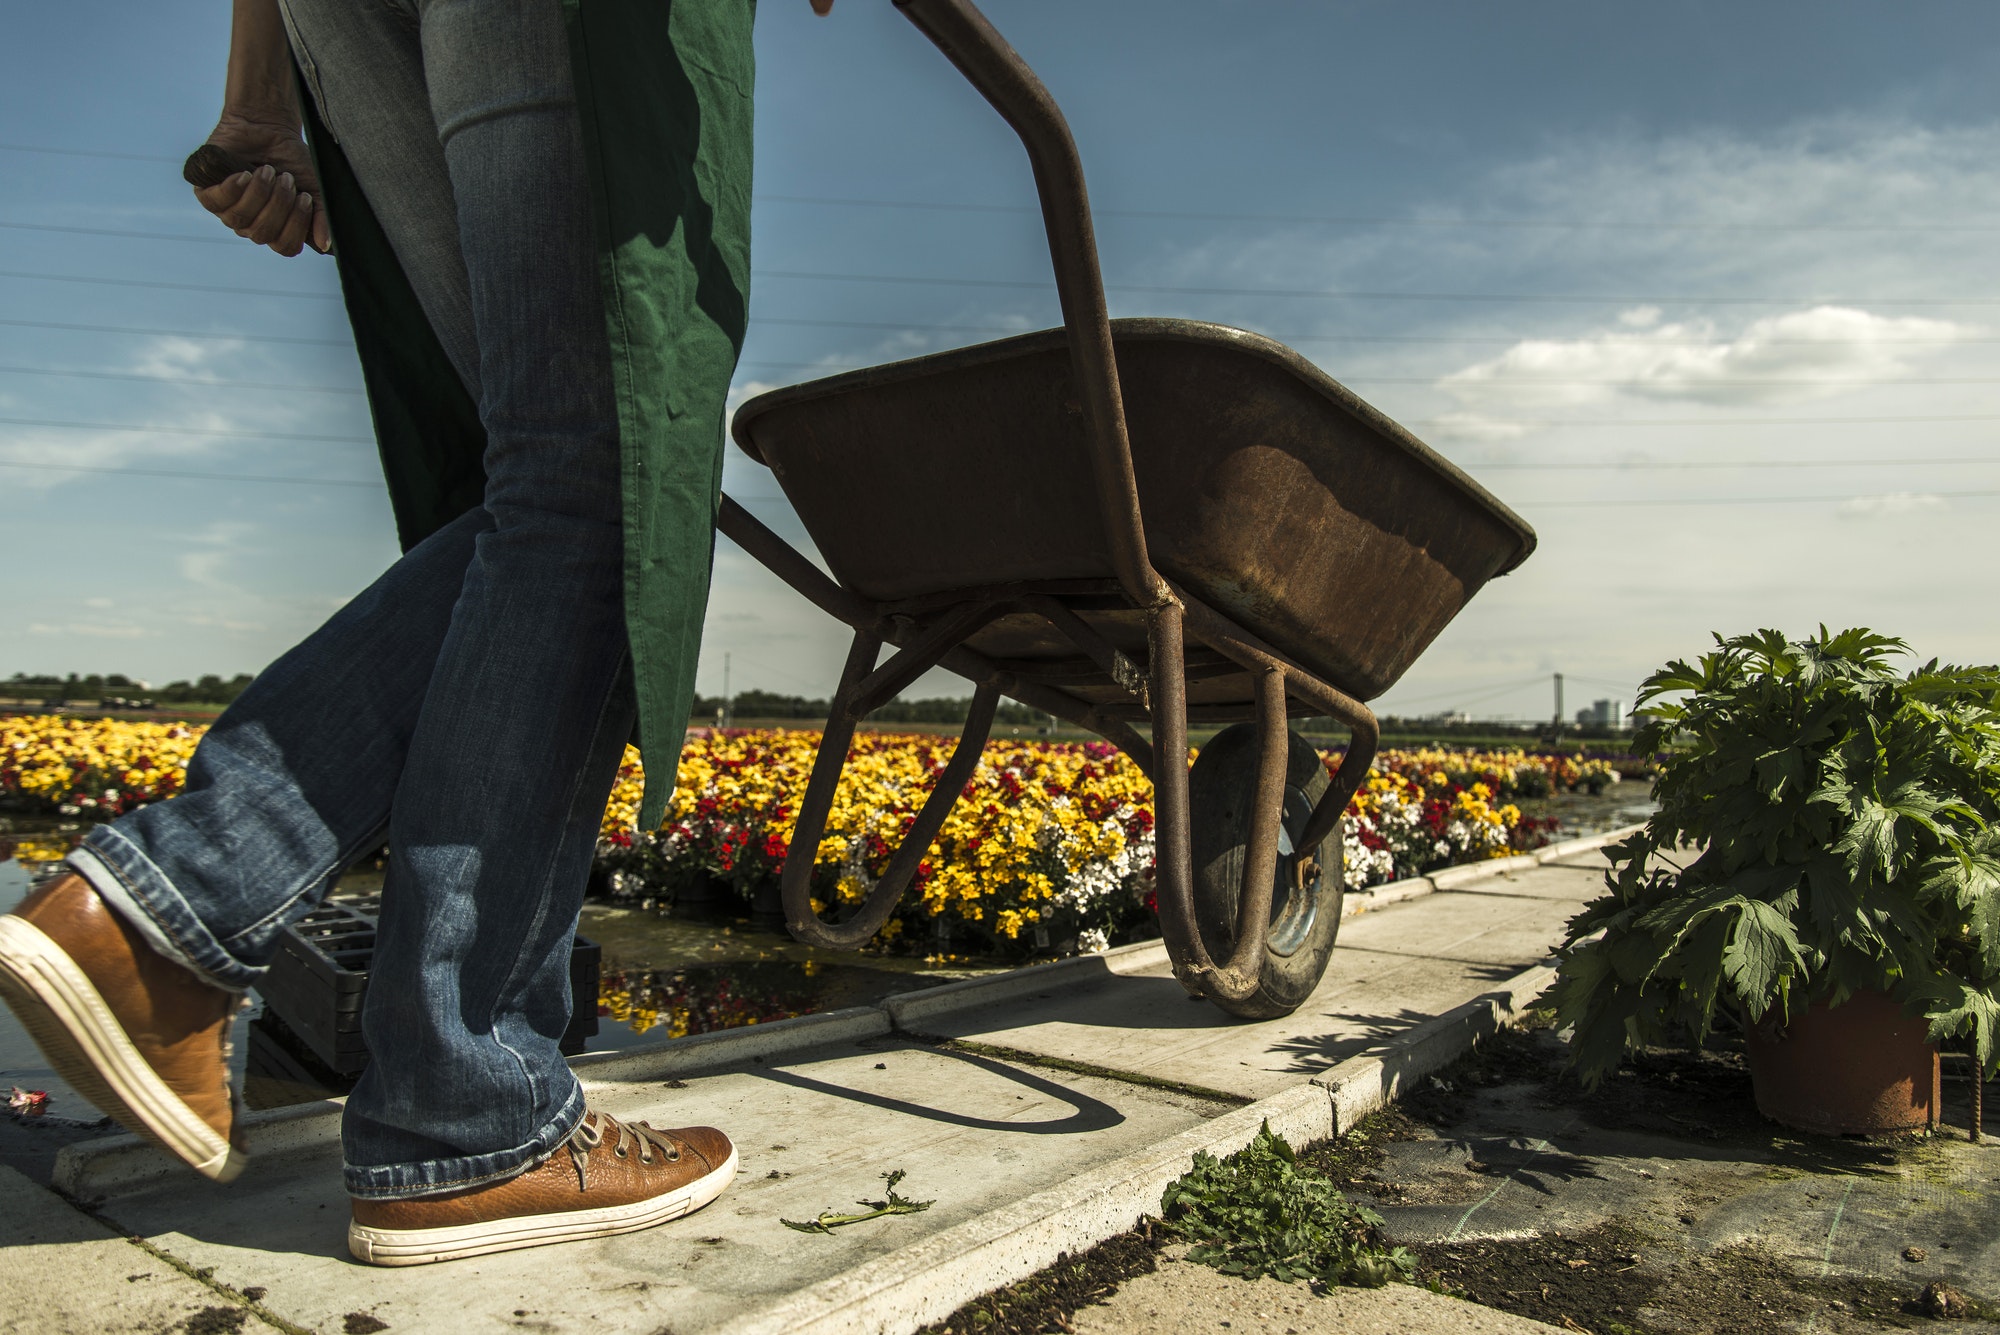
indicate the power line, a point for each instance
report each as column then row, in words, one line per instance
column 87, row 153
column 1333, row 220
column 1514, row 685
column 180, row 380
column 1638, row 466
column 925, row 280
column 906, row 327
column 1733, row 500
column 1815, row 383
column 200, row 477
column 1705, row 421
column 180, row 333
column 184, row 431
column 171, row 287
column 1387, row 220
column 1630, row 381
column 123, row 233
column 1174, row 290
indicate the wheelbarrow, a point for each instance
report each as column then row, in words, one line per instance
column 1125, row 522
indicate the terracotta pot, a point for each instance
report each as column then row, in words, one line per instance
column 1864, row 1067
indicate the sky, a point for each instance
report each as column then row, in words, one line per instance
column 1703, row 290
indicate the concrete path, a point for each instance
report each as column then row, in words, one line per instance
column 1059, row 1102
column 65, row 1273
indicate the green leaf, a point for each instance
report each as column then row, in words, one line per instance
column 1763, row 949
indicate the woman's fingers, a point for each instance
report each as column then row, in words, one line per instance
column 256, row 193
column 271, row 220
column 297, row 229
column 223, row 196
column 271, row 206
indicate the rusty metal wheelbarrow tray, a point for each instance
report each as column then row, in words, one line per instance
column 1270, row 491
column 1134, row 523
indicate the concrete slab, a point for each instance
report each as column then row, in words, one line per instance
column 1393, row 967
column 1181, row 1298
column 816, row 1131
column 63, row 1273
column 1023, row 1161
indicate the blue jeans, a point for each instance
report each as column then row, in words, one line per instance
column 473, row 704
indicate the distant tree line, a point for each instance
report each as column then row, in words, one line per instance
column 75, row 689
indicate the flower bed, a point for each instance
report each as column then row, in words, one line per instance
column 1052, row 846
column 1053, row 841
column 92, row 767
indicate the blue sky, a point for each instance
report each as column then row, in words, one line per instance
column 1652, row 274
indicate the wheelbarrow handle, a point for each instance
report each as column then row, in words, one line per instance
column 982, row 55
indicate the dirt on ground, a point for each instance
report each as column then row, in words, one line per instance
column 1659, row 1203
column 1046, row 1301
column 1628, row 1275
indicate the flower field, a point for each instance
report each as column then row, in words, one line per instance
column 92, row 767
column 1051, row 844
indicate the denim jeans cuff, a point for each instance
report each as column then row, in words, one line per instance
column 140, row 893
column 396, row 1182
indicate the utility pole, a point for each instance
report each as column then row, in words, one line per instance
column 1553, row 736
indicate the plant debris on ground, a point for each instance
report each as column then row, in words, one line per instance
column 828, row 1220
column 1257, row 1212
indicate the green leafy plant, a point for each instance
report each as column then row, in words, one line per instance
column 827, row 1220
column 1256, row 1213
column 1826, row 825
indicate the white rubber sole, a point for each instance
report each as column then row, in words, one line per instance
column 421, row 1246
column 69, row 1020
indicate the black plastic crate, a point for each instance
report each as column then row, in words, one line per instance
column 319, row 977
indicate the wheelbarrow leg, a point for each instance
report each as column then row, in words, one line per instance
column 1173, row 849
column 860, row 681
column 1238, row 978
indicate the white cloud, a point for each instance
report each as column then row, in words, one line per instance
column 1892, row 503
column 89, row 629
column 1795, row 357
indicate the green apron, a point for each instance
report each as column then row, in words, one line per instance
column 664, row 88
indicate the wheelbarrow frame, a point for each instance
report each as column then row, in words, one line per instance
column 932, row 631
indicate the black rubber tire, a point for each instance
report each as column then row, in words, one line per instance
column 1221, row 787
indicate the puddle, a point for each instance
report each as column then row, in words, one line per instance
column 1580, row 813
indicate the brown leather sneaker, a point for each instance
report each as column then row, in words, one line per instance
column 608, row 1177
column 135, row 1033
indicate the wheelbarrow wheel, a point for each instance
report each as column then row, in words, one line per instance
column 1222, row 788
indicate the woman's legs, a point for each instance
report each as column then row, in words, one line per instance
column 529, row 703
column 494, row 699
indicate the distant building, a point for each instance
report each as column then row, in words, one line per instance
column 1602, row 714
column 1448, row 716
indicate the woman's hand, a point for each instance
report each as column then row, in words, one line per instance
column 274, row 199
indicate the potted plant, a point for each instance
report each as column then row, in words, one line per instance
column 1825, row 863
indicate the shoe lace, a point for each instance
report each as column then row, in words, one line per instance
column 596, row 1127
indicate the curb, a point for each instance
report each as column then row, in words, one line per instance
column 909, row 1008
column 929, row 1280
column 1416, row 887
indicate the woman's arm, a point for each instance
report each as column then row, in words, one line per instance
column 274, row 200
